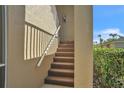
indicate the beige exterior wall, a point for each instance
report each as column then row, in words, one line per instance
column 118, row 44
column 67, row 28
column 83, row 46
column 43, row 16
column 23, row 73
column 47, row 21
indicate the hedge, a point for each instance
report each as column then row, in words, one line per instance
column 108, row 67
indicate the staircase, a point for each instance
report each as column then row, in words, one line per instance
column 62, row 68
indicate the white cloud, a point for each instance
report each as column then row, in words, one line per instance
column 112, row 30
column 105, row 33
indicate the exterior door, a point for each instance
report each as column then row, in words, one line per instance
column 2, row 62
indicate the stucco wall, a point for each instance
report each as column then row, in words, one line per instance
column 47, row 20
column 83, row 76
column 118, row 44
column 22, row 73
column 43, row 16
column 67, row 28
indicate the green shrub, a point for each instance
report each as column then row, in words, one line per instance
column 108, row 67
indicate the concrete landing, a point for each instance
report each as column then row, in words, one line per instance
column 54, row 86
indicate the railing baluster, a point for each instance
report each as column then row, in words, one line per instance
column 30, row 42
column 37, row 42
column 40, row 42
column 45, row 40
column 48, row 45
column 25, row 44
column 34, row 43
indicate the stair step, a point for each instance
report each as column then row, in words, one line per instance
column 66, row 45
column 65, row 50
column 66, row 81
column 63, row 59
column 67, row 42
column 62, row 65
column 65, row 54
column 61, row 72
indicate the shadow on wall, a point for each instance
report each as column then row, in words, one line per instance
column 26, row 40
column 36, row 41
column 36, row 38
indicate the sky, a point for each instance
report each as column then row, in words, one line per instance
column 106, row 20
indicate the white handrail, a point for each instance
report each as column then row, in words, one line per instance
column 2, row 65
column 48, row 46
